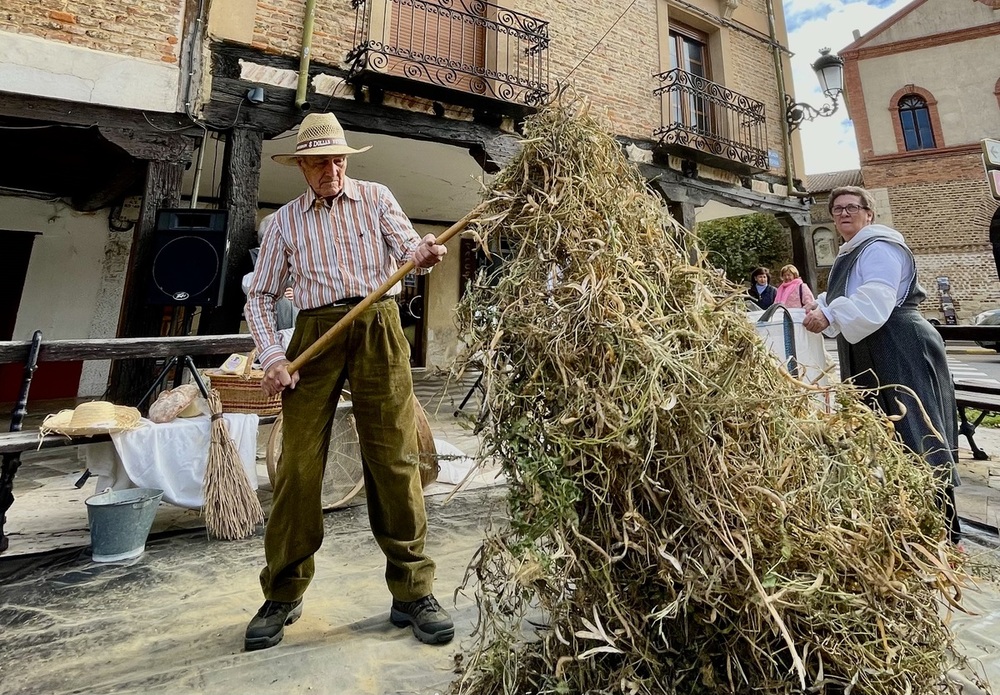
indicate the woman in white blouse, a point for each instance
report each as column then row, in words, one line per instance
column 870, row 306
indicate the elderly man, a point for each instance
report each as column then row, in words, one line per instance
column 341, row 240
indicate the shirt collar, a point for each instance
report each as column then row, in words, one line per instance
column 351, row 190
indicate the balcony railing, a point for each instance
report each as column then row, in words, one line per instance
column 466, row 52
column 706, row 122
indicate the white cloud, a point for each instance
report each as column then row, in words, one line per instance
column 828, row 143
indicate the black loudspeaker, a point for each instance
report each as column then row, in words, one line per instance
column 189, row 257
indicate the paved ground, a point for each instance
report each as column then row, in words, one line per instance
column 172, row 621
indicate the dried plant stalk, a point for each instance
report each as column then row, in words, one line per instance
column 682, row 518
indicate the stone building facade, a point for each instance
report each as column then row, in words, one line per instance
column 922, row 91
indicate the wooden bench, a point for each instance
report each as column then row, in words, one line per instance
column 981, row 396
column 14, row 443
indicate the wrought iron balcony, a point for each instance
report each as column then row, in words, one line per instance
column 708, row 123
column 466, row 52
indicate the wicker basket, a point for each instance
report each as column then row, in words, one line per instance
column 241, row 393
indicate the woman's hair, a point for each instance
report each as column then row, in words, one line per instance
column 789, row 269
column 760, row 271
column 866, row 197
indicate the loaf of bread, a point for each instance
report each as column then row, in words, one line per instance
column 171, row 402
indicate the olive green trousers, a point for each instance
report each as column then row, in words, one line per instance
column 373, row 355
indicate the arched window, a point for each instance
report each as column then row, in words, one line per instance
column 915, row 120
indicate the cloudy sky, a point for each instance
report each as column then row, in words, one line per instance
column 828, row 143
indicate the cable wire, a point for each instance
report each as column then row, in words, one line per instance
column 601, row 40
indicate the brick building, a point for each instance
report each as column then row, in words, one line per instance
column 143, row 105
column 923, row 88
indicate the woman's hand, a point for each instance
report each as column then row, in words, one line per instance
column 815, row 321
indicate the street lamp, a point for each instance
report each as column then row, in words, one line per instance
column 830, row 73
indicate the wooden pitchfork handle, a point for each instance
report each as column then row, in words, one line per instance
column 324, row 340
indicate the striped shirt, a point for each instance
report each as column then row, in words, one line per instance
column 345, row 248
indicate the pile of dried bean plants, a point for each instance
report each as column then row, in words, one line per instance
column 682, row 517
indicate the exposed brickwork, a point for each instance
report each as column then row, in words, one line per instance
column 752, row 67
column 938, row 205
column 618, row 76
column 147, row 29
column 942, row 206
column 973, row 278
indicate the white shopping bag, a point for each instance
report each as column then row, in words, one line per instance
column 803, row 353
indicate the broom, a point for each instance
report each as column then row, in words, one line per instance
column 231, row 508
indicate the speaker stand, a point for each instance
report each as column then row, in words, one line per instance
column 185, row 363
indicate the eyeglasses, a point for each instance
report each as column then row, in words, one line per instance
column 852, row 209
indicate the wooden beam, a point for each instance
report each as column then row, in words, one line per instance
column 135, row 131
column 226, row 59
column 278, row 114
column 240, row 182
column 103, row 192
column 125, row 348
column 678, row 188
column 165, row 147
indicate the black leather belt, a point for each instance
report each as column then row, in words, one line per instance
column 351, row 301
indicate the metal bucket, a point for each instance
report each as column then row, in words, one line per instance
column 120, row 521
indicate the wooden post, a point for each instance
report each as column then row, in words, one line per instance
column 684, row 213
column 240, row 181
column 138, row 319
column 801, row 250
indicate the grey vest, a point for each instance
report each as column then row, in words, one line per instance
column 907, row 351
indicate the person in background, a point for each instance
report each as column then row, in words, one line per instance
column 793, row 292
column 883, row 341
column 341, row 240
column 285, row 311
column 761, row 290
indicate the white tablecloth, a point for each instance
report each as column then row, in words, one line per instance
column 170, row 456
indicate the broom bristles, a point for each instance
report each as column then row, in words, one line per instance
column 231, row 508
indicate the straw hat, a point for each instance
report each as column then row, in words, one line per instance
column 96, row 417
column 320, row 135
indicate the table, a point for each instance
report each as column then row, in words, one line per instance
column 170, row 456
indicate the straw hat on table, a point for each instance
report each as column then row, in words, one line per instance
column 96, row 417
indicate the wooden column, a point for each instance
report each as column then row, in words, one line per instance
column 130, row 378
column 240, row 182
column 684, row 213
column 801, row 250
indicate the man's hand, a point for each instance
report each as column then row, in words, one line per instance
column 276, row 379
column 429, row 253
column 811, row 306
column 815, row 321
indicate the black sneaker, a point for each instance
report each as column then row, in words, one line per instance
column 268, row 626
column 431, row 623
